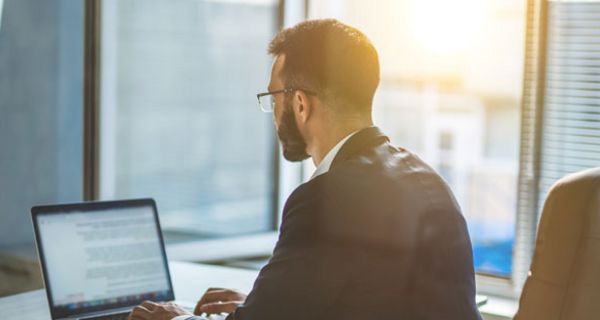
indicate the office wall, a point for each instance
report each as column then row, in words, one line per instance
column 41, row 85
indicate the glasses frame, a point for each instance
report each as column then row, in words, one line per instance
column 270, row 93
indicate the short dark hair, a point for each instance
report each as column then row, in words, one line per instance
column 331, row 58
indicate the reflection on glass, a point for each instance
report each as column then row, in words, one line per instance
column 450, row 92
column 180, row 121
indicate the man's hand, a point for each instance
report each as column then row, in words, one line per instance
column 219, row 300
column 156, row 311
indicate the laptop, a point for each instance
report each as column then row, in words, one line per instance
column 100, row 259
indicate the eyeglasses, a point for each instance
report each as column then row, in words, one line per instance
column 266, row 101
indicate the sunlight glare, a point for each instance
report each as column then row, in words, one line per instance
column 446, row 27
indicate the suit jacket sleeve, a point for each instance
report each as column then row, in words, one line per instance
column 304, row 275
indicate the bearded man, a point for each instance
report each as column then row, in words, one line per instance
column 375, row 233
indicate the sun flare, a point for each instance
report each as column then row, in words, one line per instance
column 446, row 27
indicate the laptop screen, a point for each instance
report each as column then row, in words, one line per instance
column 100, row 256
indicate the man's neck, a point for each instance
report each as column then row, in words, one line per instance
column 323, row 144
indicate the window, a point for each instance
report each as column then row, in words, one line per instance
column 454, row 91
column 560, row 125
column 450, row 92
column 41, row 94
column 179, row 120
column 571, row 113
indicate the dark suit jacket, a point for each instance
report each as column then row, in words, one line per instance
column 379, row 236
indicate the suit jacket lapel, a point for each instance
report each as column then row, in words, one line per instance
column 368, row 137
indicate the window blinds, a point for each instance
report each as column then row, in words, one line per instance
column 571, row 122
column 560, row 120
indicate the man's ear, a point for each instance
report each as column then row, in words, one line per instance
column 302, row 106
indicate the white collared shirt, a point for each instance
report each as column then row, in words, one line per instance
column 326, row 162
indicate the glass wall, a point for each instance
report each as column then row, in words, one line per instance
column 179, row 118
column 450, row 92
column 41, row 104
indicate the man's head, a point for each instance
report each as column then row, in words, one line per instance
column 332, row 70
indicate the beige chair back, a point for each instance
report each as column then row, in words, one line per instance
column 564, row 281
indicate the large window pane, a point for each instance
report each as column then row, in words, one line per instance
column 41, row 87
column 180, row 121
column 450, row 91
column 41, row 95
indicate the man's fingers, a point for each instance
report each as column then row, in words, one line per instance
column 140, row 313
column 149, row 305
column 220, row 307
column 217, row 295
column 220, row 295
column 204, row 298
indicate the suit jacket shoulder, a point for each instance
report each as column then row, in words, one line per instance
column 379, row 236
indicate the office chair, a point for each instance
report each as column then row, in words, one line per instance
column 564, row 280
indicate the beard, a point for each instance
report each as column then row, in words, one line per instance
column 294, row 147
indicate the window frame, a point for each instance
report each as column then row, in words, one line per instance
column 91, row 101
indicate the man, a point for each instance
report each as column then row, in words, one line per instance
column 375, row 233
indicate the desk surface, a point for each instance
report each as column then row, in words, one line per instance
column 190, row 281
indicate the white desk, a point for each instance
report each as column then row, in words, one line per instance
column 190, row 280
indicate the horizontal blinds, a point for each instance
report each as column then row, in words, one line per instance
column 571, row 113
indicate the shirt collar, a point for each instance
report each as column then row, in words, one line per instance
column 326, row 162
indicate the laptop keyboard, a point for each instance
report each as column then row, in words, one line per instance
column 113, row 316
